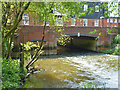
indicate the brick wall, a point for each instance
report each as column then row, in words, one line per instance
column 79, row 22
column 35, row 32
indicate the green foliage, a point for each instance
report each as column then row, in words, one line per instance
column 91, row 85
column 116, row 51
column 30, row 45
column 11, row 12
column 63, row 40
column 111, row 30
column 109, row 51
column 117, row 39
column 94, row 32
column 10, row 74
column 28, row 48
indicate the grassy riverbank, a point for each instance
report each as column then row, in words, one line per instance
column 10, row 74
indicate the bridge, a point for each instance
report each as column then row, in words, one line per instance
column 81, row 36
column 81, row 40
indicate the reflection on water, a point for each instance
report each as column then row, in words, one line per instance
column 71, row 69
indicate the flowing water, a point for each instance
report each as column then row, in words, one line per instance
column 71, row 69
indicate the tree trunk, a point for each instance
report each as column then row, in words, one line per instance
column 22, row 61
column 36, row 56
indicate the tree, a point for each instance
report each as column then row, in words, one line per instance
column 12, row 13
column 11, row 16
column 45, row 12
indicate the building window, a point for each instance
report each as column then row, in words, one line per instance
column 115, row 25
column 96, row 22
column 111, row 20
column 108, row 20
column 59, row 21
column 84, row 22
column 107, row 25
column 111, row 25
column 25, row 19
column 115, row 20
column 73, row 21
column 85, row 7
column 97, row 8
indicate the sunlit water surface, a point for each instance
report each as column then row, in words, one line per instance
column 72, row 69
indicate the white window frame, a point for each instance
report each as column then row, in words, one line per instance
column 108, row 20
column 25, row 19
column 96, row 22
column 85, row 7
column 96, row 8
column 74, row 21
column 86, row 22
column 115, row 20
column 115, row 25
column 59, row 21
column 111, row 20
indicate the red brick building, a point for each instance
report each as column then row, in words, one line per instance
column 85, row 24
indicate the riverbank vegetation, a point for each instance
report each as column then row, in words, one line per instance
column 115, row 47
column 10, row 74
column 13, row 71
column 92, row 85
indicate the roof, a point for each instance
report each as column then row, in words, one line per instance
column 95, row 15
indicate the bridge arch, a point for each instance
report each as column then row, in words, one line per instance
column 81, row 40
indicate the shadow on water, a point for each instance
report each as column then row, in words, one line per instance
column 68, row 51
column 71, row 67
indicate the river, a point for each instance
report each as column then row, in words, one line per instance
column 71, row 69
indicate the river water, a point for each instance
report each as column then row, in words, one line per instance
column 71, row 69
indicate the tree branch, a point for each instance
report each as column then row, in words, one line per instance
column 18, row 21
column 30, row 63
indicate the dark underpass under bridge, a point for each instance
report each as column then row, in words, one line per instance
column 81, row 40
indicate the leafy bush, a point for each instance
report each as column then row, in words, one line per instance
column 116, row 51
column 116, row 40
column 109, row 51
column 30, row 45
column 10, row 74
